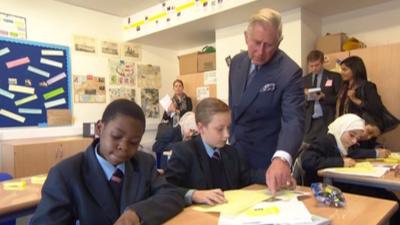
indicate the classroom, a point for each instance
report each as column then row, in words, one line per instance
column 100, row 51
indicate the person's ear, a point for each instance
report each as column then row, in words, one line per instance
column 201, row 127
column 99, row 127
column 246, row 38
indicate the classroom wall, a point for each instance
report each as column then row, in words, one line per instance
column 55, row 23
column 375, row 25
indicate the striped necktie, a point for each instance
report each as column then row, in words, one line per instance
column 216, row 156
column 116, row 184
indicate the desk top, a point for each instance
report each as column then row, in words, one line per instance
column 357, row 211
column 16, row 200
column 389, row 181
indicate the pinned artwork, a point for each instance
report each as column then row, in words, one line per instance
column 122, row 72
column 89, row 89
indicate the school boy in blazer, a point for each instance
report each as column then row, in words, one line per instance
column 206, row 166
column 85, row 187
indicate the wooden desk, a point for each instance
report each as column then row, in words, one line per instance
column 18, row 203
column 357, row 211
column 389, row 181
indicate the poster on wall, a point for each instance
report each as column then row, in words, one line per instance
column 12, row 26
column 110, row 48
column 149, row 76
column 132, row 51
column 122, row 72
column 149, row 97
column 84, row 44
column 89, row 89
column 34, row 77
column 122, row 92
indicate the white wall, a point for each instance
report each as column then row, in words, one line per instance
column 376, row 25
column 310, row 31
column 53, row 22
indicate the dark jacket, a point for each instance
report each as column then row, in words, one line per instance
column 77, row 189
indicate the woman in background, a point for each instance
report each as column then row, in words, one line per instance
column 358, row 95
column 181, row 102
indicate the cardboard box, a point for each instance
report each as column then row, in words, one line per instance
column 331, row 43
column 188, row 63
column 205, row 62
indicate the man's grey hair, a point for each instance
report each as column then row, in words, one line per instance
column 267, row 17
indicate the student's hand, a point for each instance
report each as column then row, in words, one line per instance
column 383, row 152
column 278, row 175
column 129, row 217
column 171, row 108
column 349, row 162
column 209, row 197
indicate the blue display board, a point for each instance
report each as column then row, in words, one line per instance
column 34, row 77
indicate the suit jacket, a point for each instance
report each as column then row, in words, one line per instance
column 77, row 189
column 324, row 153
column 189, row 166
column 269, row 114
column 328, row 103
column 372, row 103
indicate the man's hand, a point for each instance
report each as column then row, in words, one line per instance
column 278, row 175
column 383, row 152
column 129, row 217
column 209, row 197
column 349, row 162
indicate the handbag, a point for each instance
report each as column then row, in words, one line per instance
column 388, row 121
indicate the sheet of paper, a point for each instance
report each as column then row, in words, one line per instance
column 361, row 169
column 38, row 179
column 165, row 102
column 279, row 212
column 238, row 200
column 14, row 185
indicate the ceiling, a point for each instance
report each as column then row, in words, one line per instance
column 202, row 31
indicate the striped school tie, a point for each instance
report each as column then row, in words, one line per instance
column 116, row 184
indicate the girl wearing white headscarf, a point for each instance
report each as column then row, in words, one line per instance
column 331, row 149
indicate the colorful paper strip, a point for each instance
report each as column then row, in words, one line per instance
column 53, row 93
column 12, row 115
column 21, row 89
column 25, row 100
column 38, row 71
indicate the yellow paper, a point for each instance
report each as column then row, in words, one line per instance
column 38, row 179
column 14, row 185
column 272, row 210
column 363, row 167
column 238, row 201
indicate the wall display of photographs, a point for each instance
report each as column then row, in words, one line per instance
column 122, row 72
column 12, row 26
column 89, row 89
column 132, row 51
column 122, row 92
column 149, row 76
column 150, row 105
column 84, row 44
column 110, row 48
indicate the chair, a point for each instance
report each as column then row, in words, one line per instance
column 297, row 169
column 4, row 177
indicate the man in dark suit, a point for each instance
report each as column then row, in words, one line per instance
column 266, row 97
column 320, row 103
column 111, row 182
column 206, row 166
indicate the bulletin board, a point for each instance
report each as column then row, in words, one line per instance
column 193, row 81
column 34, row 77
